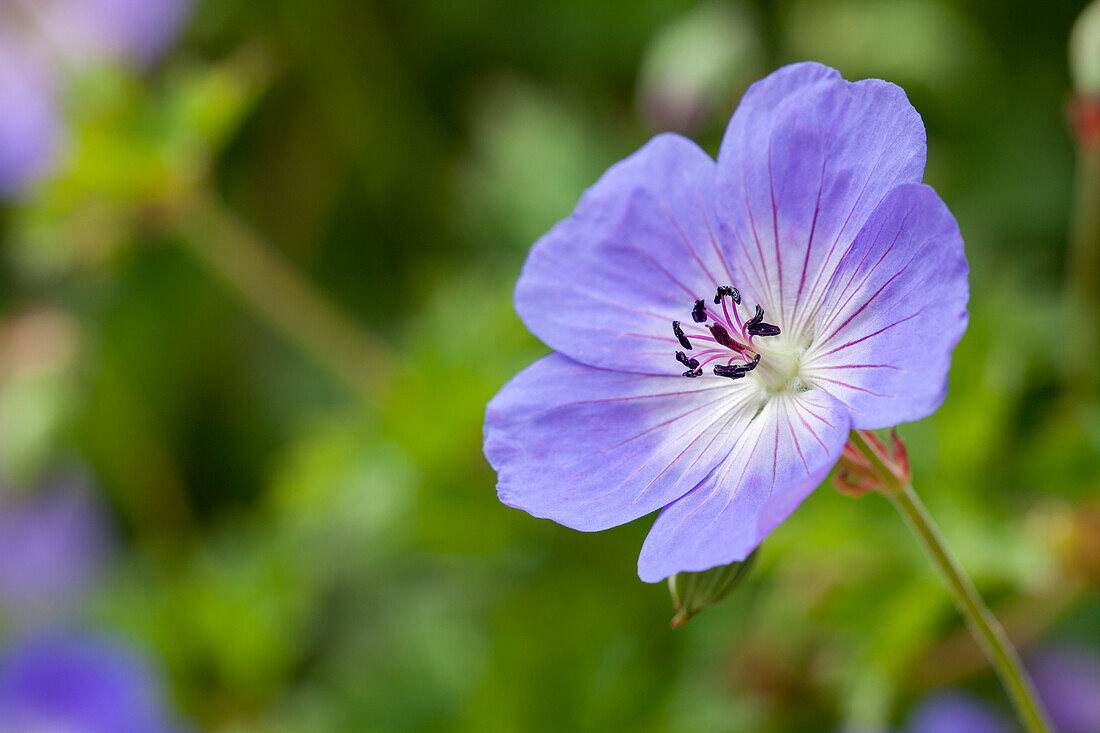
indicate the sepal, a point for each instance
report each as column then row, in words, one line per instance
column 693, row 593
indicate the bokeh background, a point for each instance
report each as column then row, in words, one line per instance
column 255, row 291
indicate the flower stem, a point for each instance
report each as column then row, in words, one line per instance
column 1083, row 268
column 983, row 625
column 281, row 295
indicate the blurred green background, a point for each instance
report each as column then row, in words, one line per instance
column 264, row 297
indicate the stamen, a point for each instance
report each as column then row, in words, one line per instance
column 733, row 372
column 757, row 318
column 686, row 361
column 763, row 329
column 724, row 355
column 722, row 336
column 738, row 371
column 680, row 335
column 725, row 346
column 755, row 326
column 729, row 290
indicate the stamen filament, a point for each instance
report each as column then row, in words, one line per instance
column 717, row 356
column 709, row 351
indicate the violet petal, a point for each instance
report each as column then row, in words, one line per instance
column 781, row 457
column 894, row 314
column 805, row 160
column 603, row 286
column 592, row 448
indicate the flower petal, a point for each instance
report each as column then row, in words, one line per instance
column 592, row 448
column 893, row 315
column 806, row 158
column 782, row 456
column 604, row 285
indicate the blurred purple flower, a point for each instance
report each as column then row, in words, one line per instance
column 41, row 41
column 30, row 129
column 136, row 31
column 1068, row 681
column 814, row 211
column 79, row 683
column 956, row 712
column 52, row 548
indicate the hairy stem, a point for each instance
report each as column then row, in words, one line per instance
column 983, row 625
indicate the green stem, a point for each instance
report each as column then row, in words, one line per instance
column 277, row 292
column 983, row 625
column 1083, row 273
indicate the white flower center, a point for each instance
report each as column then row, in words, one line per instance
column 780, row 367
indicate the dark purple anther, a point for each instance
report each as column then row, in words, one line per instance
column 736, row 371
column 762, row 329
column 729, row 290
column 686, row 361
column 733, row 372
column 758, row 317
column 755, row 326
column 680, row 335
column 693, row 373
column 722, row 336
column 699, row 312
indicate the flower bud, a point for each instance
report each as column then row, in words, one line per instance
column 697, row 65
column 1084, row 52
column 858, row 474
column 693, row 593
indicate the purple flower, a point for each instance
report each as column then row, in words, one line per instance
column 43, row 40
column 136, row 31
column 30, row 129
column 1068, row 680
column 956, row 712
column 77, row 683
column 721, row 327
column 52, row 547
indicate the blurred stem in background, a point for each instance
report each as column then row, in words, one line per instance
column 1084, row 251
column 894, row 483
column 1083, row 263
column 1025, row 619
column 271, row 285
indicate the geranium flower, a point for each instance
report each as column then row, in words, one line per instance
column 1067, row 676
column 71, row 682
column 720, row 328
column 956, row 712
column 53, row 548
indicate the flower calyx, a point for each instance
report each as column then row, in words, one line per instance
column 867, row 463
column 693, row 593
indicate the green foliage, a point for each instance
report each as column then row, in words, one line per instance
column 303, row 560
